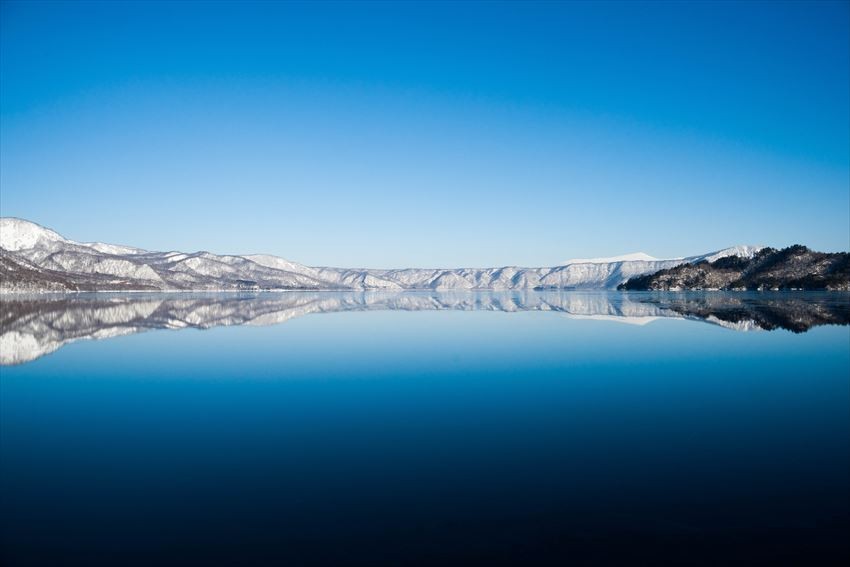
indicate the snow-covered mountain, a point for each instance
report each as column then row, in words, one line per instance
column 37, row 259
column 643, row 256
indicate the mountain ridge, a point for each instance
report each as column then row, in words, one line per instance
column 34, row 258
column 792, row 268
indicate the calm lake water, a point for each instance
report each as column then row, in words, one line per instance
column 372, row 429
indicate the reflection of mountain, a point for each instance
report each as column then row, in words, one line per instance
column 31, row 327
column 797, row 312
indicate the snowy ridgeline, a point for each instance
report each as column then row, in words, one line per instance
column 36, row 259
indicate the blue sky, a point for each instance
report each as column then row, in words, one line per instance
column 389, row 135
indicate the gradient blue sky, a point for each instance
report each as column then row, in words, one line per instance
column 389, row 135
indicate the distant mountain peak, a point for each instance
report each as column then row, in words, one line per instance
column 741, row 250
column 633, row 257
column 19, row 234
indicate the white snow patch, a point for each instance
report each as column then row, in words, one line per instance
column 742, row 251
column 633, row 257
column 18, row 234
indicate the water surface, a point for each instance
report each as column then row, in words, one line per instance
column 370, row 429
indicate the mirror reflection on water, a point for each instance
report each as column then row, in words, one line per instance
column 385, row 429
column 32, row 326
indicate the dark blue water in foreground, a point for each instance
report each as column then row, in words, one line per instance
column 446, row 437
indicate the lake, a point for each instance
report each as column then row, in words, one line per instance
column 304, row 428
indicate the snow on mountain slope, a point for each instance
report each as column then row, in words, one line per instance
column 277, row 263
column 113, row 248
column 743, row 251
column 635, row 256
column 111, row 265
column 601, row 275
column 48, row 261
column 18, row 234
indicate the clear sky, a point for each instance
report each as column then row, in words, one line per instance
column 388, row 135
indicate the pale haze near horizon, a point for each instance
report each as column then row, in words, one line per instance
column 432, row 136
